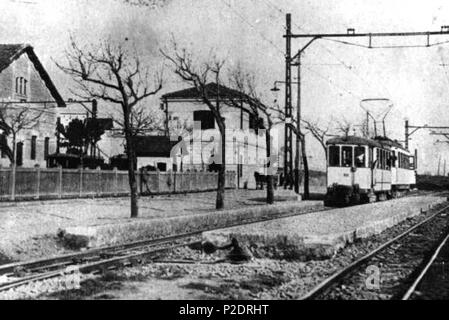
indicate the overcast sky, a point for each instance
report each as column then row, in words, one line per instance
column 335, row 76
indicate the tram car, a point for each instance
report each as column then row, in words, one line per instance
column 361, row 170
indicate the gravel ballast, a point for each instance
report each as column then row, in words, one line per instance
column 204, row 279
column 319, row 235
column 29, row 229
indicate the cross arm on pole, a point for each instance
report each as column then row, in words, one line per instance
column 364, row 34
column 304, row 48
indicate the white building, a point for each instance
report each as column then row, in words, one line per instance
column 25, row 86
column 245, row 149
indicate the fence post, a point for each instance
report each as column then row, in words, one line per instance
column 38, row 181
column 81, row 181
column 13, row 182
column 99, row 185
column 181, row 181
column 158, row 181
column 60, row 182
column 115, row 181
column 190, row 181
column 174, row 182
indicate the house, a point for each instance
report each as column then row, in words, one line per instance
column 26, row 86
column 245, row 144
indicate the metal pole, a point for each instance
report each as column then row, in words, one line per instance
column 298, row 126
column 287, row 130
column 406, row 134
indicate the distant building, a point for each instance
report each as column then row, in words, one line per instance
column 245, row 148
column 24, row 83
column 154, row 151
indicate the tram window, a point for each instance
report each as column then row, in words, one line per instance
column 359, row 157
column 346, row 156
column 389, row 156
column 393, row 159
column 377, row 158
column 412, row 163
column 381, row 159
column 334, row 156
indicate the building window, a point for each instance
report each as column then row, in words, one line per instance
column 33, row 147
column 206, row 118
column 21, row 85
column 161, row 166
column 46, row 147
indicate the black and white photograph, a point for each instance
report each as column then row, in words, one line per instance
column 243, row 152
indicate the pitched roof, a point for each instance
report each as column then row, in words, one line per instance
column 11, row 52
column 153, row 146
column 212, row 90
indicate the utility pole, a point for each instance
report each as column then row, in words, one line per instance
column 406, row 134
column 288, row 157
column 416, row 128
column 298, row 127
column 315, row 36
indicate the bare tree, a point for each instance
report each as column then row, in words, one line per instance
column 319, row 132
column 293, row 125
column 199, row 77
column 344, row 127
column 245, row 83
column 142, row 122
column 13, row 120
column 111, row 73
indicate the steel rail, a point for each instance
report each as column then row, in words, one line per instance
column 429, row 263
column 70, row 259
column 88, row 267
column 328, row 282
column 73, row 259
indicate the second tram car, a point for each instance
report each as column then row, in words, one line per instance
column 366, row 170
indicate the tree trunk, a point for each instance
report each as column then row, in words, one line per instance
column 131, row 175
column 270, row 192
column 306, row 168
column 13, row 168
column 219, row 204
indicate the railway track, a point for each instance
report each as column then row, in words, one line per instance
column 384, row 273
column 17, row 274
column 13, row 275
column 432, row 280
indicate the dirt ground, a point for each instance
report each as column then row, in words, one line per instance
column 29, row 229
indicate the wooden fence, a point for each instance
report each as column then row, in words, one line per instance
column 51, row 183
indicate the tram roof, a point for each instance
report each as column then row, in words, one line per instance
column 390, row 143
column 353, row 140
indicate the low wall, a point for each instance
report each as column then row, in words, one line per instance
column 51, row 183
column 139, row 229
